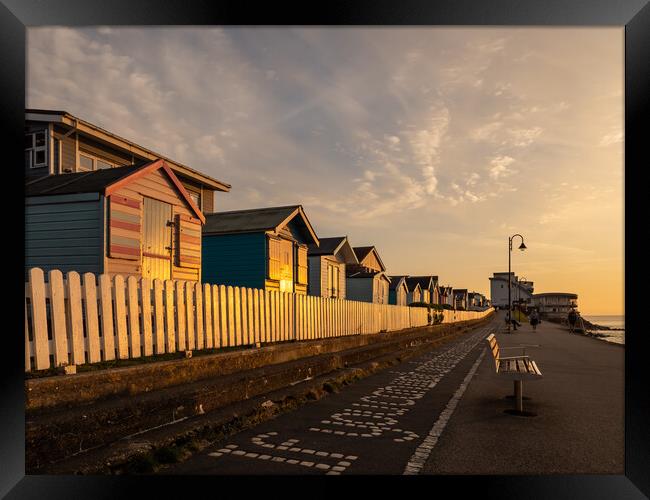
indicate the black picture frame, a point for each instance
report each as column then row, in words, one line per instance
column 16, row 15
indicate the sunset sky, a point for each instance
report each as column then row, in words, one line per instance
column 433, row 144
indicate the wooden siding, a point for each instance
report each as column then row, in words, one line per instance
column 360, row 289
column 208, row 201
column 315, row 278
column 371, row 262
column 380, row 290
column 235, row 259
column 66, row 235
column 301, row 265
column 155, row 185
column 189, row 241
column 68, row 150
column 124, row 227
column 397, row 296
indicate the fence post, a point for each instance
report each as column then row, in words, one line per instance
column 180, row 316
column 159, row 316
column 207, row 318
column 198, row 316
column 39, row 318
column 190, row 342
column 75, row 319
column 92, row 323
column 120, row 317
column 57, row 310
column 170, row 316
column 134, row 316
column 145, row 317
column 106, row 305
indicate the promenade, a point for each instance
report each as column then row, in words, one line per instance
column 579, row 402
column 443, row 413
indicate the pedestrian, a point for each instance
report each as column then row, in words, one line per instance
column 572, row 318
column 534, row 319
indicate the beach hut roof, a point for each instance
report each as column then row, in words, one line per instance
column 333, row 246
column 105, row 181
column 258, row 220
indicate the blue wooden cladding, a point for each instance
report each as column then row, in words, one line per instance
column 234, row 259
column 65, row 236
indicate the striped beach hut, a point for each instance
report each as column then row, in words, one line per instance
column 133, row 220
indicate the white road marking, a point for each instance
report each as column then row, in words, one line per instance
column 422, row 452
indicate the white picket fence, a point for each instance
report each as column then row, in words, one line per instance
column 75, row 319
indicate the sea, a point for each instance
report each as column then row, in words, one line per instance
column 614, row 336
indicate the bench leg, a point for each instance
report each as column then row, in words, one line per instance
column 519, row 395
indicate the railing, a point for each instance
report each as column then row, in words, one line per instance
column 75, row 319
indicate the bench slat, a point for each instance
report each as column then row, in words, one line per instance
column 513, row 366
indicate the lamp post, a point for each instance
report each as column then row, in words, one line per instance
column 522, row 247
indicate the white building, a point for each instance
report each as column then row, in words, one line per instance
column 520, row 290
column 555, row 304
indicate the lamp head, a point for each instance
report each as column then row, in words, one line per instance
column 522, row 247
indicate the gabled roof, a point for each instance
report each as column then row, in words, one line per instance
column 332, row 246
column 106, row 182
column 362, row 253
column 412, row 285
column 358, row 271
column 424, row 281
column 256, row 220
column 396, row 281
column 65, row 118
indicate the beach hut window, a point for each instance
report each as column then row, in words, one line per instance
column 36, row 149
column 85, row 162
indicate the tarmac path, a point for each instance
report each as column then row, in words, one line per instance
column 387, row 423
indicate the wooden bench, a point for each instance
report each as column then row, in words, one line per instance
column 516, row 368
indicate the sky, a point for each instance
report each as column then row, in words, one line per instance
column 434, row 144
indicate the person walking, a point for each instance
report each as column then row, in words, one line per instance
column 534, row 319
column 572, row 318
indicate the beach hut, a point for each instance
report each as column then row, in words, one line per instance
column 327, row 263
column 366, row 285
column 367, row 281
column 132, row 220
column 263, row 248
column 460, row 298
column 414, row 290
column 427, row 286
column 397, row 290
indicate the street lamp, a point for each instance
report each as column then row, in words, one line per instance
column 522, row 247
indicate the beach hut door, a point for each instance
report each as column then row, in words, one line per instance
column 157, row 243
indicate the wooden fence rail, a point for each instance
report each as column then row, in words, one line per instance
column 75, row 319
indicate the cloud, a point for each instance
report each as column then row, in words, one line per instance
column 615, row 137
column 499, row 167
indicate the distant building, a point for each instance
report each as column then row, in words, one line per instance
column 520, row 290
column 414, row 291
column 327, row 263
column 367, row 281
column 397, row 291
column 477, row 301
column 555, row 305
column 428, row 285
column 460, row 298
column 447, row 295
